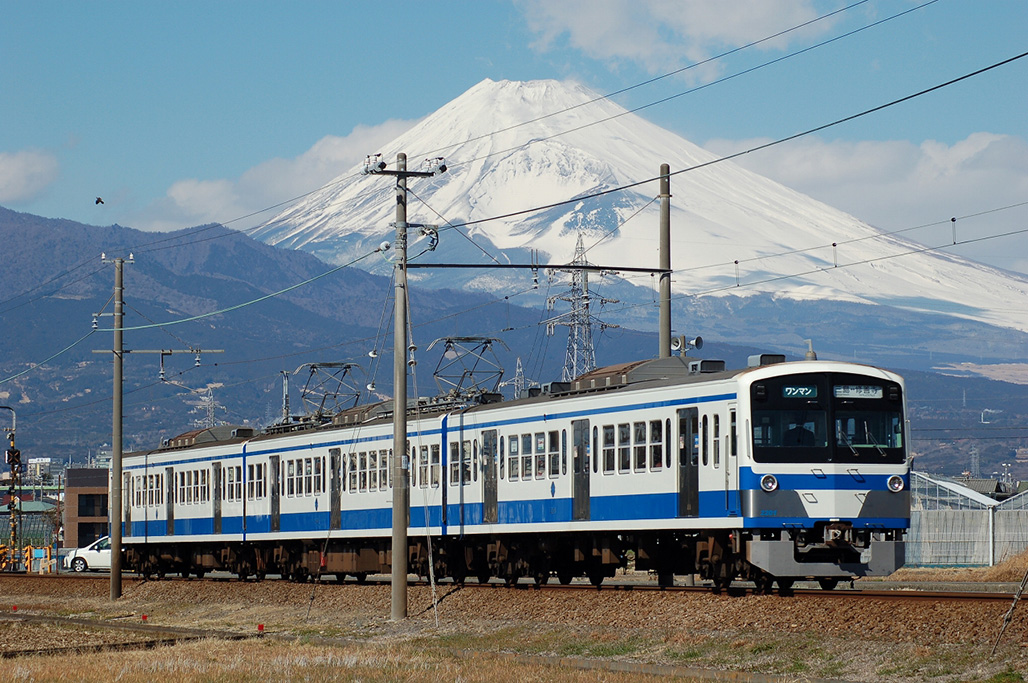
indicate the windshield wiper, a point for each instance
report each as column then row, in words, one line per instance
column 846, row 440
column 867, row 433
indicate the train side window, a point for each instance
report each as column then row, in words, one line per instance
column 352, row 473
column 514, row 458
column 733, row 435
column 564, row 451
column 540, row 455
column 385, row 474
column 526, row 456
column 290, row 478
column 423, row 467
column 667, row 442
column 716, row 443
column 554, row 454
column 363, row 472
column 594, row 451
column 319, row 475
column 703, row 441
column 372, row 470
column 608, row 449
column 624, row 447
column 454, row 463
column 656, row 445
column 308, row 476
column 639, row 441
column 503, row 459
column 436, row 466
column 474, row 460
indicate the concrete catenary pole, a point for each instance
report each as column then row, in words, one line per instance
column 400, row 491
column 665, row 262
column 114, row 507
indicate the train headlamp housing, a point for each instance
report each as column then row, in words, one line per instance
column 895, row 483
column 769, row 483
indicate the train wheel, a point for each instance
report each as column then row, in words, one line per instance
column 764, row 584
column 665, row 579
column 596, row 577
column 362, row 577
column 828, row 583
column 784, row 586
column 483, row 576
column 541, row 578
column 200, row 573
column 565, row 577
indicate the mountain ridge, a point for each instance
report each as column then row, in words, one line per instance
column 735, row 233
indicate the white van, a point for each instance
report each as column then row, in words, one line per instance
column 93, row 557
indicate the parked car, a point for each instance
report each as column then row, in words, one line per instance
column 93, row 557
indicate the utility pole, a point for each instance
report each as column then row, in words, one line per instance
column 400, row 464
column 665, row 262
column 114, row 507
column 13, row 457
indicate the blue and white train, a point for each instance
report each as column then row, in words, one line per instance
column 777, row 472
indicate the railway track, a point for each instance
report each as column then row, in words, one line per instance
column 933, row 592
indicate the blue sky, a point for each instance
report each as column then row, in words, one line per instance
column 188, row 112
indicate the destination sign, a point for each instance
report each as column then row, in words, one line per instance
column 858, row 391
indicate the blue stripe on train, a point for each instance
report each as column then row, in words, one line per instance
column 623, row 508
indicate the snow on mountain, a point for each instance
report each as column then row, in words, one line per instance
column 733, row 232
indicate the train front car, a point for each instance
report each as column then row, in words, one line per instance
column 824, row 478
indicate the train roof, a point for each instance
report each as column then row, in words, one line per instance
column 631, row 376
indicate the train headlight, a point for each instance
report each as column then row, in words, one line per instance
column 768, row 483
column 895, row 483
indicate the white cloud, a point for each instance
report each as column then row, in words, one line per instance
column 193, row 202
column 662, row 35
column 26, row 174
column 895, row 185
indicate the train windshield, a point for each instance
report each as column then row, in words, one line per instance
column 827, row 417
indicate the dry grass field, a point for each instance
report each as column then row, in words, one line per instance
column 324, row 632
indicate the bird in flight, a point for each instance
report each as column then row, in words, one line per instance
column 99, row 200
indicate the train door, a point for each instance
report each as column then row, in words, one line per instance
column 276, row 492
column 169, row 499
column 335, row 487
column 489, row 458
column 688, row 463
column 216, row 495
column 580, row 453
column 731, row 450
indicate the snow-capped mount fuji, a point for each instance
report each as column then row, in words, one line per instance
column 734, row 233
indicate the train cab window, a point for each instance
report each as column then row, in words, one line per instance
column 608, row 449
column 514, row 459
column 656, row 444
column 423, row 467
column 553, row 442
column 435, row 465
column 639, row 434
column 540, row 455
column 716, row 442
column 624, row 447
